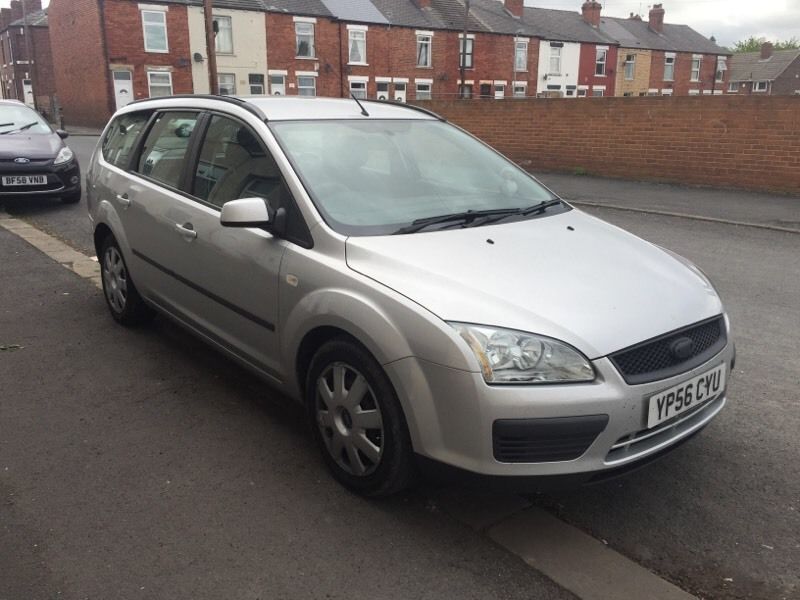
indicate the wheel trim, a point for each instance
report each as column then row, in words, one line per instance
column 115, row 279
column 349, row 419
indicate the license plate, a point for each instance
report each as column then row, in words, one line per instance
column 25, row 180
column 686, row 395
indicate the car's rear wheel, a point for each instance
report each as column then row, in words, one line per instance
column 122, row 297
column 72, row 198
column 357, row 420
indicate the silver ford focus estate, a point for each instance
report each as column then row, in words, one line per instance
column 433, row 306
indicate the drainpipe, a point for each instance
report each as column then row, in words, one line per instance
column 211, row 49
column 28, row 54
column 463, row 43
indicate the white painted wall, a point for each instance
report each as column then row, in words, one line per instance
column 249, row 48
column 570, row 59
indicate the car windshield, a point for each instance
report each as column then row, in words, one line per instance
column 19, row 118
column 379, row 176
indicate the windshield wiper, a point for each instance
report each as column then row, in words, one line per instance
column 523, row 212
column 23, row 128
column 466, row 217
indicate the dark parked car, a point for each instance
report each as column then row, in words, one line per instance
column 34, row 160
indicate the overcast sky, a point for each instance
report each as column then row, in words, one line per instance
column 727, row 20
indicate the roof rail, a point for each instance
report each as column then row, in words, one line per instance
column 408, row 106
column 248, row 106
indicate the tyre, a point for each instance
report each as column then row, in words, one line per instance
column 72, row 198
column 124, row 301
column 357, row 420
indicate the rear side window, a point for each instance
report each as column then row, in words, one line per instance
column 121, row 138
column 164, row 153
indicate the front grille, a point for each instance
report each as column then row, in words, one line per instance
column 654, row 359
column 545, row 440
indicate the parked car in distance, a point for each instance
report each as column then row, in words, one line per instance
column 34, row 160
column 431, row 304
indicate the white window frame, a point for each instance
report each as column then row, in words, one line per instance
column 219, row 19
column 276, row 74
column 150, row 83
column 757, row 87
column 232, row 77
column 308, row 76
column 555, row 56
column 722, row 66
column 669, row 61
column 425, row 38
column 312, row 45
column 252, row 85
column 598, row 93
column 694, row 92
column 423, row 83
column 733, row 87
column 520, row 55
column 519, row 89
column 354, row 32
column 466, row 51
column 163, row 23
column 600, row 51
column 695, row 72
column 630, row 62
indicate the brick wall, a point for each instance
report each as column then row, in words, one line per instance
column 586, row 73
column 45, row 82
column 79, row 61
column 641, row 72
column 728, row 141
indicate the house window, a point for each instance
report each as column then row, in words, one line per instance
column 465, row 91
column 304, row 33
column 383, row 90
column 669, row 67
column 160, row 83
column 630, row 66
column 696, row 62
column 358, row 89
column 424, row 45
column 256, row 81
column 466, row 48
column 154, row 23
column 521, row 56
column 358, row 47
column 598, row 93
column 722, row 66
column 733, row 87
column 227, row 84
column 581, row 93
column 555, row 60
column 224, row 38
column 600, row 62
column 499, row 91
column 423, row 91
column 277, row 85
column 760, row 86
column 306, row 86
column 520, row 90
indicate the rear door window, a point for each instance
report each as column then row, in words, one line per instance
column 165, row 150
column 121, row 138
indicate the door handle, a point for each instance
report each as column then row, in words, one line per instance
column 124, row 200
column 186, row 230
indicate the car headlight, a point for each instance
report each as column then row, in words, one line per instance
column 64, row 156
column 508, row 356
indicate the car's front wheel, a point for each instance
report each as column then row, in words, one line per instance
column 358, row 421
column 122, row 297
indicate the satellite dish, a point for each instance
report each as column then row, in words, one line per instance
column 198, row 57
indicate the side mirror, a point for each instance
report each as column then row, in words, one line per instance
column 248, row 212
column 62, row 134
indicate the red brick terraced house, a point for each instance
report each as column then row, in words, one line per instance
column 657, row 58
column 30, row 81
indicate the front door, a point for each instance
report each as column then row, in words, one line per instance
column 400, row 92
column 27, row 90
column 123, row 88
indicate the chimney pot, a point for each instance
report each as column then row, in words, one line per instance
column 591, row 12
column 657, row 18
column 515, row 7
column 766, row 50
column 423, row 3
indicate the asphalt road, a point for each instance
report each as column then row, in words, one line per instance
column 132, row 460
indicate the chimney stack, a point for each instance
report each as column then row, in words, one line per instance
column 766, row 50
column 657, row 18
column 635, row 17
column 591, row 12
column 515, row 7
column 16, row 10
column 5, row 18
column 423, row 3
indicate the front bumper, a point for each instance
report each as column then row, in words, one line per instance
column 61, row 179
column 451, row 416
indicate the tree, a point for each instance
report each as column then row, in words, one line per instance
column 753, row 44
